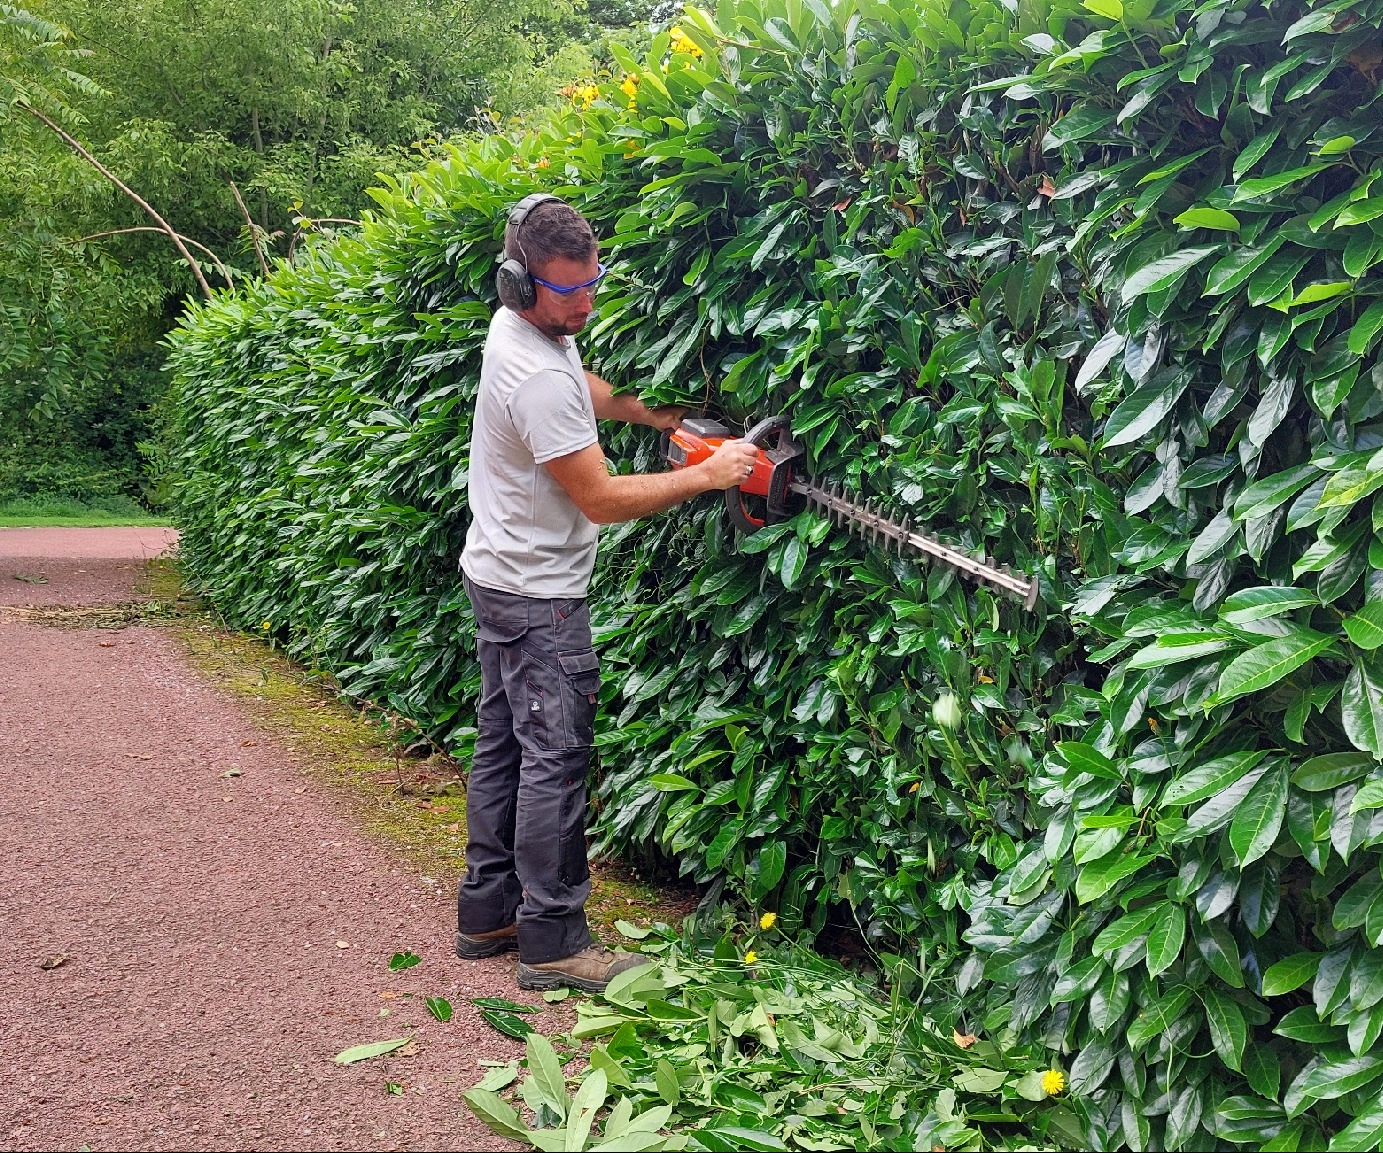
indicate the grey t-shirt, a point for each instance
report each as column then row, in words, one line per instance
column 527, row 536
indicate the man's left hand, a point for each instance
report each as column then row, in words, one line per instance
column 667, row 417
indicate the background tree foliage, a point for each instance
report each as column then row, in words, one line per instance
column 1092, row 287
column 300, row 103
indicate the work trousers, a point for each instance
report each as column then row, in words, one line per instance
column 526, row 796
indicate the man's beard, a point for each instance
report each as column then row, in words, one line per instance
column 573, row 328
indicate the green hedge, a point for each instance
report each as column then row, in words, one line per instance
column 1091, row 287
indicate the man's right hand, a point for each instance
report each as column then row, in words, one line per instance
column 730, row 464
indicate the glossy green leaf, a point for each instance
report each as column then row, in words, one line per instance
column 1126, row 929
column 1366, row 328
column 1229, row 1031
column 1166, row 936
column 1143, row 410
column 672, row 783
column 1263, row 1070
column 1365, row 628
column 1263, row 496
column 1249, row 605
column 1368, row 797
column 372, row 1049
column 1157, row 1016
column 1302, row 1024
column 1336, row 1076
column 1221, row 808
column 1266, row 185
column 1363, row 1134
column 1098, row 878
column 1085, row 758
column 510, row 1024
column 1259, row 819
column 1165, row 271
column 1290, row 973
column 1361, row 709
column 1216, row 218
column 1330, row 770
column 1266, row 664
column 497, row 1113
column 1233, row 271
column 1361, row 212
column 1210, row 778
column 1175, row 647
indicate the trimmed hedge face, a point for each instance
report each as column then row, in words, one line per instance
column 1093, row 288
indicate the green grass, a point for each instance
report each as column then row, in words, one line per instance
column 64, row 512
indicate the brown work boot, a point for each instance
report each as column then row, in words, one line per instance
column 474, row 946
column 589, row 970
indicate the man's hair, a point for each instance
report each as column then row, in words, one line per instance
column 551, row 231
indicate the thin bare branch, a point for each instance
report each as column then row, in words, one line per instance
column 254, row 230
column 221, row 268
column 164, row 226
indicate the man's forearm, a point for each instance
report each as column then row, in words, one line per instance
column 642, row 494
column 628, row 409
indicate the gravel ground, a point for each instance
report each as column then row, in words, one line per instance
column 185, row 948
column 76, row 566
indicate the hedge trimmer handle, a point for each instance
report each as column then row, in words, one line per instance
column 697, row 438
column 770, row 477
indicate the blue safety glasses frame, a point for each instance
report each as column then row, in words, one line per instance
column 568, row 289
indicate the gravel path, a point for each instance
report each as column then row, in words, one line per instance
column 221, row 936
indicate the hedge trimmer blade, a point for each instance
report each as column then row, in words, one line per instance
column 771, row 479
column 877, row 528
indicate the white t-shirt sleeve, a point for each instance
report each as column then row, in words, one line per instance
column 551, row 416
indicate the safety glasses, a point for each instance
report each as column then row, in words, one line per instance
column 567, row 289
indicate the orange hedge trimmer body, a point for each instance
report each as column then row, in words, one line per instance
column 774, row 479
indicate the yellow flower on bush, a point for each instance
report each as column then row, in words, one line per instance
column 750, row 957
column 768, row 920
column 1053, row 1082
column 681, row 42
column 630, row 87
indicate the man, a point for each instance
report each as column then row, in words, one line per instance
column 539, row 487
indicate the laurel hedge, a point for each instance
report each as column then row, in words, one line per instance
column 1091, row 287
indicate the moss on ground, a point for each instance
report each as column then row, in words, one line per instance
column 414, row 804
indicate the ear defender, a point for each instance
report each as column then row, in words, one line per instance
column 515, row 286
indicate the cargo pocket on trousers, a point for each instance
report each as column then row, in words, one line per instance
column 574, row 865
column 500, row 632
column 580, row 688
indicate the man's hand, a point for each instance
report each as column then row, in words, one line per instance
column 667, row 417
column 730, row 464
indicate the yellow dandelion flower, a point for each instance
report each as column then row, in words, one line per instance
column 265, row 625
column 1053, row 1082
column 750, row 957
column 768, row 920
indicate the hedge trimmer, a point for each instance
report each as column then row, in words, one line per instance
column 773, row 481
